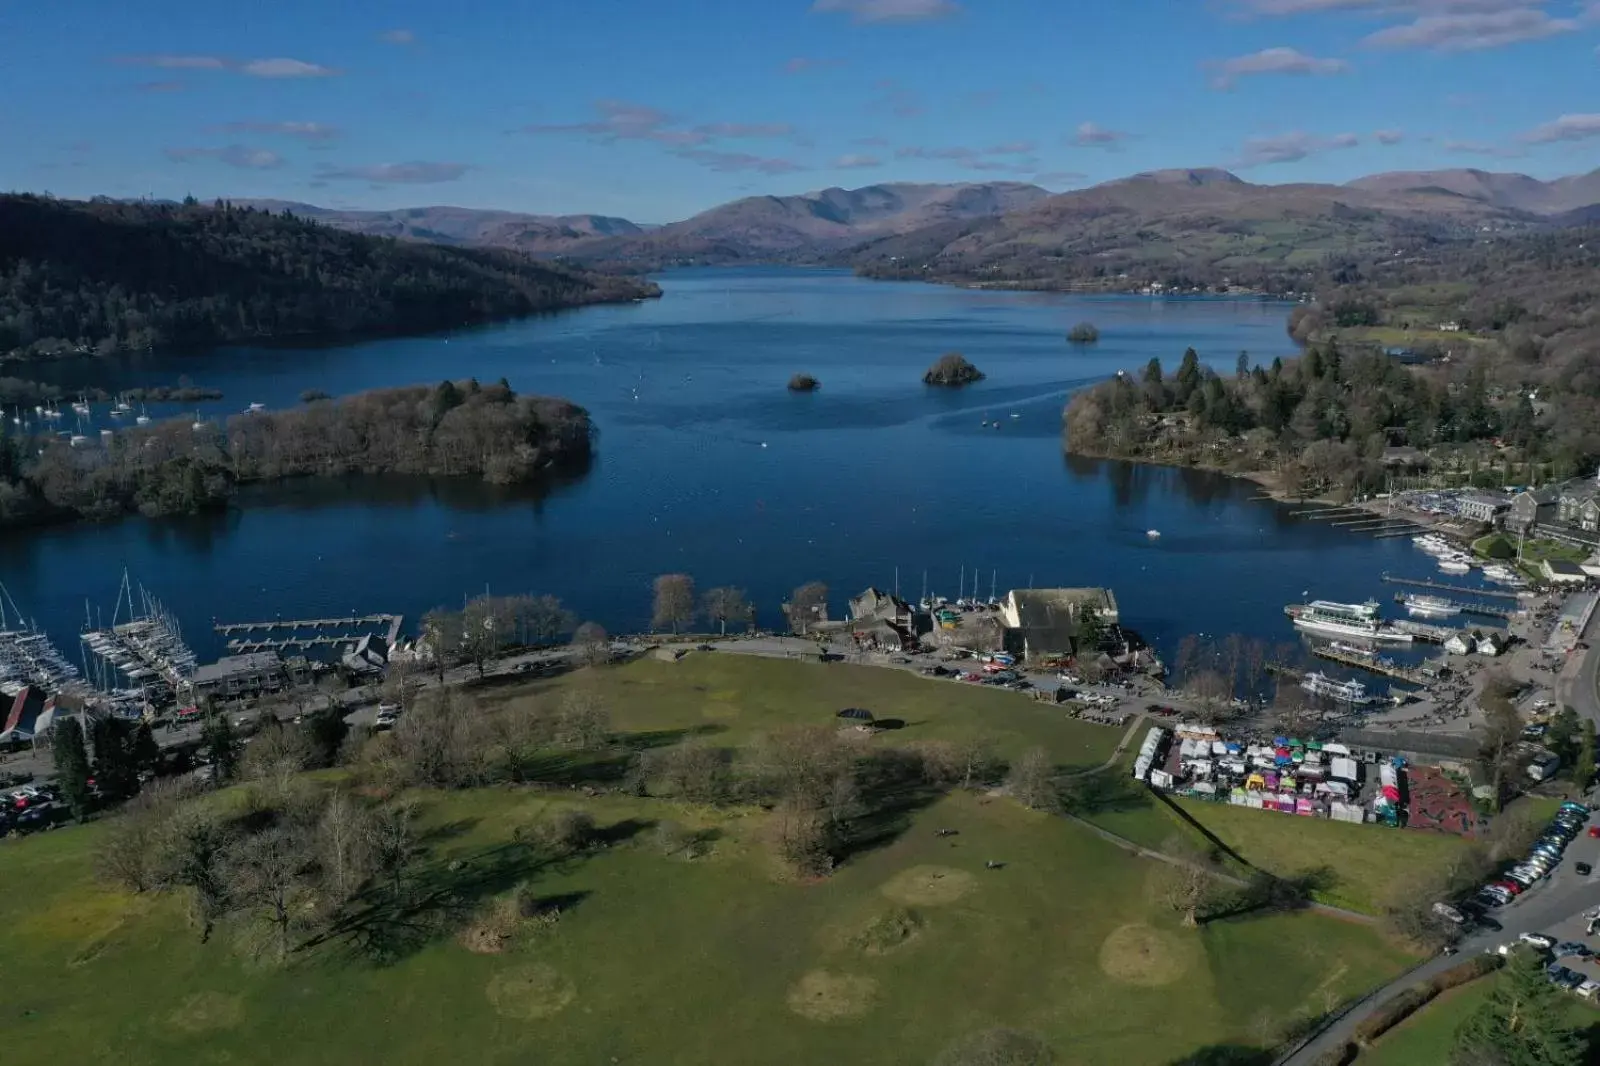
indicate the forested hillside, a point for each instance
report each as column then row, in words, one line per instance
column 103, row 276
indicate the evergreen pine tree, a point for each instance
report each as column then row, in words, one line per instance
column 72, row 766
column 219, row 737
column 146, row 752
column 1523, row 1022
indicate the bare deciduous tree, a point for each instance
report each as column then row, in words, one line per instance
column 674, row 601
column 392, row 840
column 191, row 855
column 1032, row 780
column 268, row 871
column 344, row 843
column 1189, row 884
column 583, row 723
column 592, row 643
column 807, row 605
column 800, row 840
column 727, row 604
column 695, row 772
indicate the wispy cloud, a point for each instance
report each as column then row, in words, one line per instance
column 1379, row 7
column 234, row 155
column 286, row 68
column 807, row 64
column 1565, row 128
column 745, row 130
column 1273, row 61
column 733, row 162
column 895, row 99
column 856, row 162
column 889, row 10
column 1472, row 31
column 1011, row 148
column 1059, row 177
column 413, row 173
column 398, row 36
column 1093, row 135
column 915, row 151
column 1290, row 147
column 256, row 68
column 1387, row 137
column 306, row 131
column 160, row 87
column 620, row 120
column 1484, row 148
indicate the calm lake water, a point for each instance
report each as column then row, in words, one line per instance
column 708, row 465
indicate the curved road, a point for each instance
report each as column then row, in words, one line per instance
column 1560, row 899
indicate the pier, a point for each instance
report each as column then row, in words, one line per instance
column 1441, row 586
column 1468, row 608
column 1374, row 665
column 1425, row 632
column 351, row 629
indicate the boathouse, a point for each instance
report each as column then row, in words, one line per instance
column 1044, row 623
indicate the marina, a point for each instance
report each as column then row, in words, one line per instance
column 26, row 655
column 307, row 633
column 1346, row 656
column 1423, row 583
column 141, row 655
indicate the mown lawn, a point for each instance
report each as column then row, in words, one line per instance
column 670, row 960
column 733, row 697
column 1366, row 864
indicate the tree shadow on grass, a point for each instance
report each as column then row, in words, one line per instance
column 1267, row 894
column 1103, row 793
column 892, row 790
column 386, row 923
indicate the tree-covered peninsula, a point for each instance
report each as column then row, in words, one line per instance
column 104, row 276
column 181, row 466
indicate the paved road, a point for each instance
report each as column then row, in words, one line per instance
column 1554, row 907
column 1582, row 694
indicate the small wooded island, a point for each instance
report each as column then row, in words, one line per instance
column 104, row 276
column 804, row 383
column 453, row 429
column 952, row 371
column 1083, row 333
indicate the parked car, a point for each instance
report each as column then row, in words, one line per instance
column 1538, row 940
column 1588, row 989
column 1572, row 949
column 1583, row 868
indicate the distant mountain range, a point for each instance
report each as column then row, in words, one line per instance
column 1012, row 230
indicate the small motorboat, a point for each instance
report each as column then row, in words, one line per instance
column 1153, row 534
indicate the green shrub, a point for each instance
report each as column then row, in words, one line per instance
column 1392, row 1013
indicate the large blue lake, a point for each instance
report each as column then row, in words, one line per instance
column 708, row 465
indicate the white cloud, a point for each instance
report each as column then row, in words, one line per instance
column 1093, row 135
column 286, row 68
column 889, row 10
column 733, row 162
column 1565, row 128
column 1388, row 136
column 1290, row 147
column 234, row 155
column 413, row 173
column 1274, row 61
column 1472, row 31
column 306, row 131
column 397, row 36
column 857, row 162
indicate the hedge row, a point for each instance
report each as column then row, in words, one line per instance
column 1412, row 999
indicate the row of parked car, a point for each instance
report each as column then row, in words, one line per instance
column 1543, row 857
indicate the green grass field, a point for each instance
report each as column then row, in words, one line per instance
column 1368, row 864
column 658, row 958
column 737, row 696
column 674, row 961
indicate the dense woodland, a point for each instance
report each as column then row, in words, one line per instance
column 177, row 467
column 104, row 276
column 1323, row 421
column 1514, row 390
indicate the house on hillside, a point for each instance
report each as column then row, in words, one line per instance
column 1482, row 507
column 1404, row 458
column 1532, row 507
column 1044, row 623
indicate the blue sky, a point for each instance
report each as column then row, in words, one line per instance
column 656, row 109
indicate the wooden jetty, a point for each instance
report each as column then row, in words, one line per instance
column 1320, row 513
column 1374, row 665
column 352, row 628
column 1468, row 608
column 1422, row 584
column 1423, row 631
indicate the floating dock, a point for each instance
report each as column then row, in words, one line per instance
column 306, row 633
column 1374, row 665
column 1423, row 631
column 1464, row 590
column 145, row 648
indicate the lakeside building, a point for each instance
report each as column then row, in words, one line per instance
column 238, row 675
column 1044, row 623
column 1482, row 507
column 1562, row 572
